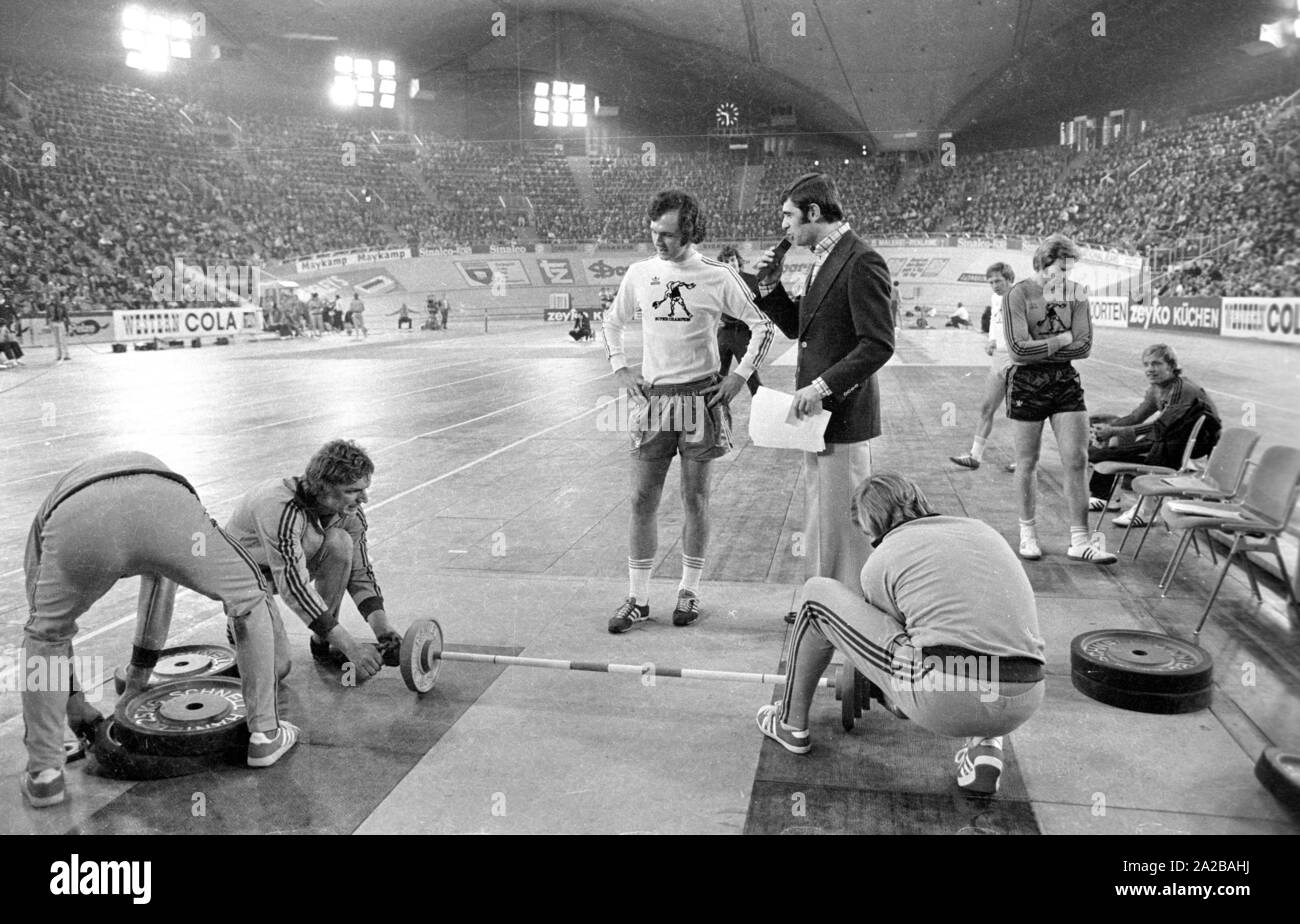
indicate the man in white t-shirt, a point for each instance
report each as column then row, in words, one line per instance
column 679, row 401
column 999, row 276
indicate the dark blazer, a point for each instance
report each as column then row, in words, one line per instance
column 845, row 333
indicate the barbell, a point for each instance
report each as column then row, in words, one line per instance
column 422, row 654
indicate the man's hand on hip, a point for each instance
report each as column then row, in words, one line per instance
column 632, row 382
column 724, row 391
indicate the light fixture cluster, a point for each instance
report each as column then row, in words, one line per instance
column 560, row 104
column 364, row 82
column 151, row 40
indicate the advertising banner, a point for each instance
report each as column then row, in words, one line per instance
column 1273, row 319
column 181, row 323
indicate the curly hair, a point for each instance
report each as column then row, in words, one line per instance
column 338, row 462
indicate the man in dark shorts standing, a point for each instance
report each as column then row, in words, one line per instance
column 680, row 400
column 1048, row 325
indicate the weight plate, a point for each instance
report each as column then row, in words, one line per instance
column 1279, row 771
column 185, row 718
column 420, row 655
column 846, row 688
column 1142, row 700
column 111, row 758
column 1129, row 659
column 184, row 662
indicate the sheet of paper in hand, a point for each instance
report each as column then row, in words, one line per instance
column 772, row 423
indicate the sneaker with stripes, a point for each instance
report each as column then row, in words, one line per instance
column 979, row 766
column 264, row 750
column 627, row 615
column 44, row 788
column 688, row 608
column 794, row 740
column 1092, row 554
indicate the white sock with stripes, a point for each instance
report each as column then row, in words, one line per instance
column 638, row 576
column 1028, row 530
column 1078, row 537
column 692, row 569
column 977, row 449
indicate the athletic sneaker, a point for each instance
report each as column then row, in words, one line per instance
column 979, row 767
column 1029, row 550
column 1129, row 516
column 1092, row 554
column 1097, row 504
column 44, row 789
column 264, row 749
column 793, row 740
column 1009, row 468
column 688, row 608
column 628, row 615
column 966, row 460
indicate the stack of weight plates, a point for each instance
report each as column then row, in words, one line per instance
column 1141, row 671
column 186, row 662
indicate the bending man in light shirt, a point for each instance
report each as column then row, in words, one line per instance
column 680, row 400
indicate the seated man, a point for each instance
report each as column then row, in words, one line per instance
column 949, row 628
column 1156, row 431
column 960, row 317
column 308, row 536
column 114, row 516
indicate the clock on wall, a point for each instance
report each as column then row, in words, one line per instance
column 727, row 115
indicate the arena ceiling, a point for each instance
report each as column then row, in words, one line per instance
column 889, row 73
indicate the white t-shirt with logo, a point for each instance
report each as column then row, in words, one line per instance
column 681, row 308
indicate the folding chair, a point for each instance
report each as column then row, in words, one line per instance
column 1221, row 479
column 1123, row 469
column 1254, row 524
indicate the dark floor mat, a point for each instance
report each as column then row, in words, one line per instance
column 359, row 744
column 886, row 777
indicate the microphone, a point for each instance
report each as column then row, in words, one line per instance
column 773, row 271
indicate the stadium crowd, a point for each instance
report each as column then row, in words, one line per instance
column 100, row 184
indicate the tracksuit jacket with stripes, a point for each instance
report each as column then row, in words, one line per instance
column 276, row 524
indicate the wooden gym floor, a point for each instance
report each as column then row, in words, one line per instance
column 500, row 508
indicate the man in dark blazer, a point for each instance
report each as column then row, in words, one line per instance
column 845, row 332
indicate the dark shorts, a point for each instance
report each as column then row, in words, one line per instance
column 678, row 419
column 1036, row 392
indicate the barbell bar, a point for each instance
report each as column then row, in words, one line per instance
column 422, row 653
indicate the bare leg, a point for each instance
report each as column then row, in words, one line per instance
column 647, row 488
column 1071, row 430
column 695, row 507
column 1029, row 440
